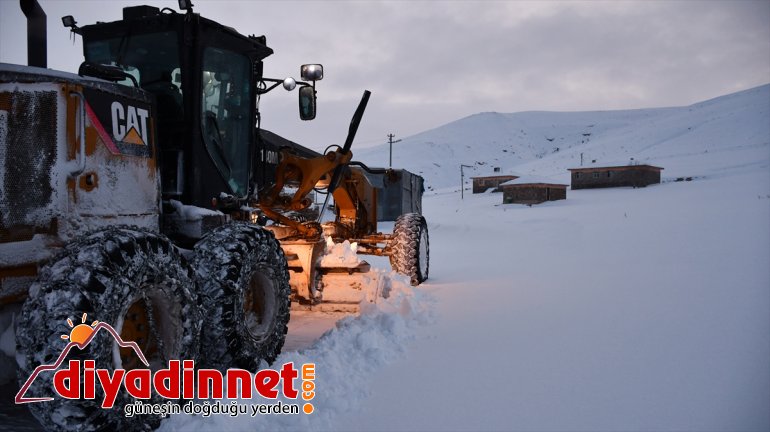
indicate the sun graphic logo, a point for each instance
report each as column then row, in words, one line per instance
column 80, row 333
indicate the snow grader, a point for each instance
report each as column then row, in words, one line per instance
column 140, row 192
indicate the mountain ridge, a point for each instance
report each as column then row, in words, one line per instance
column 546, row 143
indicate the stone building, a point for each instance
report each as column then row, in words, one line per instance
column 484, row 183
column 532, row 190
column 614, row 176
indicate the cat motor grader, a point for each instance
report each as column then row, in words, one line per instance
column 140, row 192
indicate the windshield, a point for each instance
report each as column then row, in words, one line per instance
column 152, row 58
column 225, row 113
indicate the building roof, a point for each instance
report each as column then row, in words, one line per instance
column 382, row 179
column 615, row 167
column 533, row 180
column 497, row 176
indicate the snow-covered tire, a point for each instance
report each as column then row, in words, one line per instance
column 243, row 280
column 409, row 248
column 110, row 275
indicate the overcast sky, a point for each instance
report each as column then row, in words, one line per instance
column 431, row 62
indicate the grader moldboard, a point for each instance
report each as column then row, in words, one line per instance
column 139, row 192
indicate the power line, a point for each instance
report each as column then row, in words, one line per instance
column 390, row 141
column 462, row 178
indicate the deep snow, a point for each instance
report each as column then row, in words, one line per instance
column 624, row 309
column 345, row 358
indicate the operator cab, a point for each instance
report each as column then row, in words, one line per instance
column 204, row 77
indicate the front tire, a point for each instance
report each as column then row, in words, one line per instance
column 409, row 248
column 244, row 283
column 134, row 280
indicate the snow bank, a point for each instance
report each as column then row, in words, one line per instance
column 346, row 357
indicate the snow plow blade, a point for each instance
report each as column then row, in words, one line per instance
column 344, row 288
column 330, row 278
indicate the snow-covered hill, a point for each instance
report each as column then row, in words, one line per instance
column 703, row 139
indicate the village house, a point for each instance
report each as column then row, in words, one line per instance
column 484, row 183
column 532, row 190
column 614, row 176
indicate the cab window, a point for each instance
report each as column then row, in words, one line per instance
column 225, row 117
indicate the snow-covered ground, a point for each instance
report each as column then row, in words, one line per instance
column 615, row 309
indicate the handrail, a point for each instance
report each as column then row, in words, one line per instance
column 80, row 127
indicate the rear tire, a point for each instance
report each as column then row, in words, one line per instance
column 110, row 275
column 243, row 280
column 409, row 247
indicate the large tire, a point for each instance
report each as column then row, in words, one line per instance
column 409, row 249
column 244, row 284
column 111, row 275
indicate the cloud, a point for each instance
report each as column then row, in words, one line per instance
column 431, row 62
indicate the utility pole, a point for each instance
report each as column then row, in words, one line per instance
column 390, row 141
column 462, row 179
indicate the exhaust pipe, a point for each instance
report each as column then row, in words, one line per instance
column 37, row 37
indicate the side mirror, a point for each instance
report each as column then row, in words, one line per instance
column 307, row 103
column 312, row 72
